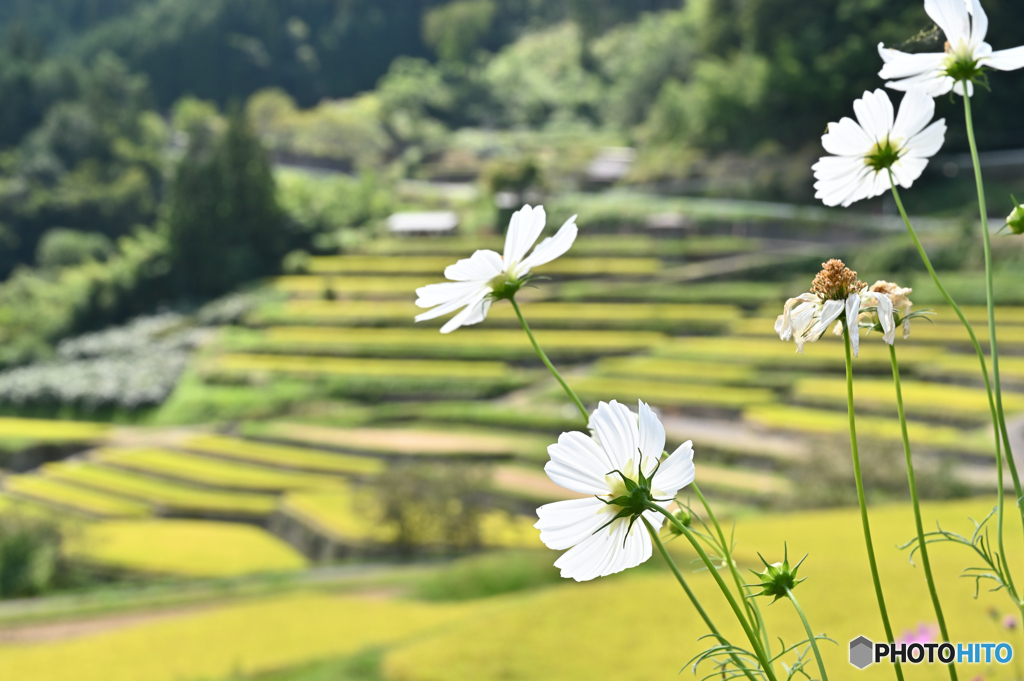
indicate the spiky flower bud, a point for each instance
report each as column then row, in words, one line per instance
column 778, row 578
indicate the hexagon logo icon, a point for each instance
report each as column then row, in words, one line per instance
column 861, row 652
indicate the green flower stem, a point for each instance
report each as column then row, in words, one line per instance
column 922, row 544
column 810, row 634
column 547, row 362
column 997, row 425
column 860, row 496
column 990, row 298
column 755, row 642
column 692, row 596
column 752, row 606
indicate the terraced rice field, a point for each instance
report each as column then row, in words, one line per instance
column 697, row 349
column 330, row 381
column 66, row 495
column 472, row 343
column 183, row 548
column 283, row 456
column 161, row 494
column 212, row 472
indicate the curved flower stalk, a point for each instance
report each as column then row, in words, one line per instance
column 485, row 276
column 896, row 312
column 860, row 171
column 778, row 581
column 835, row 289
column 964, row 61
column 879, row 140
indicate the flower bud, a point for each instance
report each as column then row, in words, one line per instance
column 1016, row 219
column 684, row 517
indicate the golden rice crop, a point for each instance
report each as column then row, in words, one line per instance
column 162, row 493
column 211, row 471
column 674, row 394
column 357, row 367
column 826, row 422
column 922, row 399
column 283, row 456
column 468, row 342
column 188, row 548
column 774, row 353
column 668, row 369
column 967, row 366
column 46, row 430
column 77, row 498
column 564, row 633
column 243, row 638
column 656, row 315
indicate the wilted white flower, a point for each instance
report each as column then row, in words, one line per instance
column 965, row 25
column 897, row 306
column 484, row 277
column 620, row 465
column 835, row 290
column 866, row 150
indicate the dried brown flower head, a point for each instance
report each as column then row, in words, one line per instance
column 836, row 281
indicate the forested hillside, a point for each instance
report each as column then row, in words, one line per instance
column 107, row 105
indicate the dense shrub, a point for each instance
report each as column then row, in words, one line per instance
column 29, row 555
column 38, row 307
column 63, row 247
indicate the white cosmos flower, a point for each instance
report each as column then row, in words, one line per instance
column 965, row 25
column 623, row 446
column 865, row 150
column 486, row 276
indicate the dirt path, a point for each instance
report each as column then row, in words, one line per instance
column 59, row 631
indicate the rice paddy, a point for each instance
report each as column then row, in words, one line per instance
column 209, row 471
column 45, row 430
column 161, row 494
column 182, row 548
column 72, row 497
column 283, row 456
column 471, row 343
